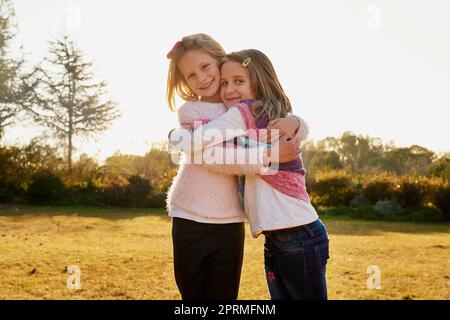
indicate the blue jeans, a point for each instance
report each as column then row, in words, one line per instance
column 295, row 261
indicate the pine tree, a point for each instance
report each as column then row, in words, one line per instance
column 10, row 67
column 61, row 94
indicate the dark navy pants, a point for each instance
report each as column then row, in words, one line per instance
column 295, row 261
column 207, row 259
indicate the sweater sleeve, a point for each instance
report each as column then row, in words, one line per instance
column 226, row 160
column 303, row 130
column 235, row 161
column 229, row 125
column 187, row 114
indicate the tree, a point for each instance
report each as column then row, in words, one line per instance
column 359, row 152
column 9, row 69
column 441, row 167
column 317, row 157
column 18, row 165
column 155, row 165
column 410, row 160
column 61, row 94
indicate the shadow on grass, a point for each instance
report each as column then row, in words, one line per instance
column 343, row 225
column 16, row 210
column 336, row 225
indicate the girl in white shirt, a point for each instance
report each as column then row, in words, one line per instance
column 277, row 204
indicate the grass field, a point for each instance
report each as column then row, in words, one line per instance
column 127, row 254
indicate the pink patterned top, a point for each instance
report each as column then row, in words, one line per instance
column 288, row 181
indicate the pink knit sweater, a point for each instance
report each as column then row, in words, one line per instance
column 200, row 191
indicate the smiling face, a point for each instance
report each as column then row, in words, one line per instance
column 235, row 84
column 202, row 74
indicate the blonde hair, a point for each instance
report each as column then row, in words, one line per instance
column 271, row 98
column 176, row 84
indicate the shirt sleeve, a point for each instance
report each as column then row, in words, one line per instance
column 303, row 130
column 236, row 161
column 229, row 125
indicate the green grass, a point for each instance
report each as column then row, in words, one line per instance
column 127, row 254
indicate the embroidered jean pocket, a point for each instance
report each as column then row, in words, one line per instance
column 322, row 254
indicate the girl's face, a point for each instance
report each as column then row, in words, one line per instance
column 201, row 72
column 235, row 84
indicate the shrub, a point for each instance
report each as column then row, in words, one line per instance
column 10, row 192
column 411, row 192
column 388, row 207
column 337, row 211
column 365, row 212
column 11, row 175
column 441, row 198
column 379, row 188
column 45, row 187
column 427, row 215
column 359, row 201
column 333, row 189
column 114, row 196
column 87, row 195
column 138, row 192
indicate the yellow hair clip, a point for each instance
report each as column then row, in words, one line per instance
column 246, row 62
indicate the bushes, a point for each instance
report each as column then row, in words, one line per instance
column 381, row 197
column 332, row 189
column 388, row 207
column 36, row 173
column 365, row 212
column 11, row 181
column 10, row 192
column 427, row 215
column 359, row 201
column 336, row 211
column 441, row 198
column 379, row 188
column 45, row 187
column 388, row 210
column 138, row 193
column 412, row 192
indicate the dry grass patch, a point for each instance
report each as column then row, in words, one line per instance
column 127, row 254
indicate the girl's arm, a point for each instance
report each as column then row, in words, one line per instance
column 303, row 130
column 227, row 126
column 291, row 125
column 236, row 161
column 232, row 161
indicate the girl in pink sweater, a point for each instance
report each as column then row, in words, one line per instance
column 207, row 230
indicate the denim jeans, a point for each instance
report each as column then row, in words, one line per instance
column 295, row 262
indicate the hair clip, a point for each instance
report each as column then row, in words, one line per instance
column 246, row 62
column 175, row 47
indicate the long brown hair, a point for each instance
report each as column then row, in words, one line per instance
column 176, row 84
column 271, row 98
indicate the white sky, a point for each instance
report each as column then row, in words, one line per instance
column 378, row 68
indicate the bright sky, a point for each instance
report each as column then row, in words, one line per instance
column 378, row 68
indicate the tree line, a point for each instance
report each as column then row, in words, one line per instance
column 362, row 177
